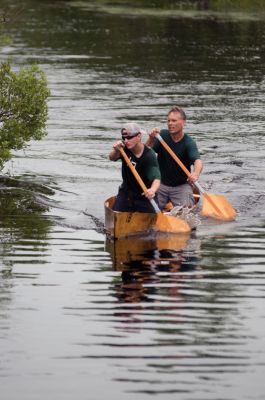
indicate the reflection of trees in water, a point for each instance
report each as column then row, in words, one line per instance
column 21, row 215
column 5, row 299
column 165, row 43
column 23, row 227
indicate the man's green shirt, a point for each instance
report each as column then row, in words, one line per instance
column 186, row 150
column 146, row 166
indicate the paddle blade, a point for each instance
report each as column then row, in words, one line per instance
column 217, row 206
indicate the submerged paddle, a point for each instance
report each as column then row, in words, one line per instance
column 214, row 205
column 138, row 178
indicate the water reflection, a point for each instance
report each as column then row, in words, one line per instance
column 143, row 263
column 126, row 251
column 185, row 309
column 23, row 206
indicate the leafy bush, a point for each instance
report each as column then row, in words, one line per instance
column 23, row 108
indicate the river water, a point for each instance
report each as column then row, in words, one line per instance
column 81, row 317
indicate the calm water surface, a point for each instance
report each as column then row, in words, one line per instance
column 179, row 317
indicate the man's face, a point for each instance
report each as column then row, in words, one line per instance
column 175, row 122
column 130, row 142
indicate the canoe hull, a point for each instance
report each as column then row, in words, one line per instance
column 127, row 224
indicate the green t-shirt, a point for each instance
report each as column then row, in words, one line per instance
column 146, row 166
column 186, row 150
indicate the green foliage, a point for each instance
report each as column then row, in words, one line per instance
column 213, row 5
column 23, row 108
column 239, row 5
column 4, row 40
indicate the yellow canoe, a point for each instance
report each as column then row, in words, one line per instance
column 127, row 224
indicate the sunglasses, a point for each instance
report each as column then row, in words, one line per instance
column 128, row 137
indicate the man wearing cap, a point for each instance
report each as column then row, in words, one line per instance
column 130, row 197
column 175, row 186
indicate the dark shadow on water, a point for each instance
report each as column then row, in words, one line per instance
column 22, row 215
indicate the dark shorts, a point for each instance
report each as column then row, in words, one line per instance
column 128, row 201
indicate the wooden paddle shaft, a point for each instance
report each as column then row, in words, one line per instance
column 173, row 155
column 138, row 178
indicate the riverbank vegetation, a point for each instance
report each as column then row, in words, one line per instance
column 23, row 108
column 212, row 5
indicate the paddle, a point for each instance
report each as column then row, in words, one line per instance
column 214, row 205
column 138, row 178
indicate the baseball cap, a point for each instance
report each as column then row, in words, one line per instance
column 131, row 129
